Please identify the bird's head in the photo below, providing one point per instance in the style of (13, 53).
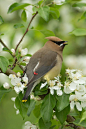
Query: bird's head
(60, 43)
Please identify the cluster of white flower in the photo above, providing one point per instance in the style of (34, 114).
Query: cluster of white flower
(29, 125)
(54, 85)
(76, 87)
(17, 83)
(22, 51)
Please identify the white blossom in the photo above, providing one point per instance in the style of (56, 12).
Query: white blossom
(18, 88)
(51, 90)
(83, 104)
(13, 99)
(12, 76)
(13, 51)
(58, 90)
(16, 82)
(24, 52)
(6, 85)
(68, 88)
(25, 79)
(52, 83)
(18, 74)
(74, 101)
(43, 85)
(17, 112)
(26, 59)
(29, 125)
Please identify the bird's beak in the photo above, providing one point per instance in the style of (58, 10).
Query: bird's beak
(65, 43)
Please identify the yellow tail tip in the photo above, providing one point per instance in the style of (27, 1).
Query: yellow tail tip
(24, 100)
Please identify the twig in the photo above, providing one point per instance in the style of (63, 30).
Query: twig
(70, 120)
(8, 72)
(5, 46)
(14, 64)
(11, 55)
(26, 30)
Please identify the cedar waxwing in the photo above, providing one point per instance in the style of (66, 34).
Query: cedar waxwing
(45, 63)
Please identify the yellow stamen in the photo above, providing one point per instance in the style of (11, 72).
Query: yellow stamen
(24, 100)
(75, 99)
(25, 84)
(13, 75)
(18, 84)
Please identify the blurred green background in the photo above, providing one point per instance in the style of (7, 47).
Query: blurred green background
(74, 53)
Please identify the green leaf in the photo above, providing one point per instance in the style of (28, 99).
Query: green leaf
(47, 33)
(38, 91)
(53, 127)
(44, 12)
(83, 16)
(3, 91)
(5, 49)
(31, 107)
(79, 4)
(1, 20)
(28, 55)
(34, 9)
(40, 2)
(24, 64)
(83, 116)
(82, 124)
(56, 123)
(18, 25)
(36, 111)
(24, 16)
(62, 101)
(47, 107)
(79, 32)
(1, 34)
(3, 64)
(54, 12)
(19, 105)
(62, 115)
(44, 125)
(17, 6)
(27, 103)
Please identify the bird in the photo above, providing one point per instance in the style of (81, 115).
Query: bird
(45, 64)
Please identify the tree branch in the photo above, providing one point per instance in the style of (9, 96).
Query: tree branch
(8, 72)
(14, 64)
(6, 47)
(70, 120)
(26, 30)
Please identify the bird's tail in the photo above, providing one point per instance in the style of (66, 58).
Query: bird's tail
(29, 89)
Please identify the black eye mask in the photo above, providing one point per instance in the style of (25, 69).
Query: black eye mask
(59, 42)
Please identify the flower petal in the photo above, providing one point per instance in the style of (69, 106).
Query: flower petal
(78, 106)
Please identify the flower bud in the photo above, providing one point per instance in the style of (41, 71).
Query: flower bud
(6, 85)
(13, 51)
(24, 52)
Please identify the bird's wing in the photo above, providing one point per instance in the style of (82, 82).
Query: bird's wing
(40, 65)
